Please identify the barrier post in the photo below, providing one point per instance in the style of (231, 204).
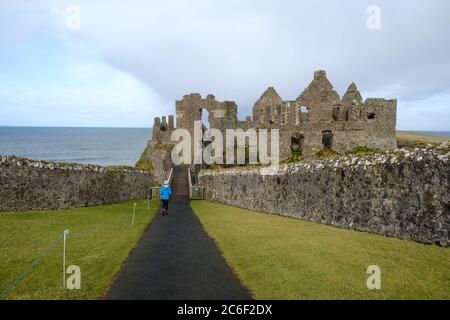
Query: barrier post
(65, 234)
(134, 211)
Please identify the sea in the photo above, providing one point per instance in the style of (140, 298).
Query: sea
(100, 146)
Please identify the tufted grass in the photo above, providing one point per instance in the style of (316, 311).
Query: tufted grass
(100, 240)
(143, 163)
(165, 147)
(282, 258)
(327, 154)
(363, 151)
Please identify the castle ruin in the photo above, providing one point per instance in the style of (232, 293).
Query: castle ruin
(318, 119)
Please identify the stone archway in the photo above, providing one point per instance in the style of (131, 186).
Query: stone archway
(221, 115)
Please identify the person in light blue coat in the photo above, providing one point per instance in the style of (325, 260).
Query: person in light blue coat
(165, 192)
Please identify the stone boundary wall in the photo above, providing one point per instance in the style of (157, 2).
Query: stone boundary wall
(404, 194)
(39, 185)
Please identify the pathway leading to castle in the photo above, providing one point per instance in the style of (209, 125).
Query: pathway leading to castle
(175, 259)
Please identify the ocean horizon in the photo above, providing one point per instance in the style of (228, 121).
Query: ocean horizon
(434, 133)
(86, 145)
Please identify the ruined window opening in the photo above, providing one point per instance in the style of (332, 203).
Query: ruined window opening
(336, 113)
(304, 109)
(302, 114)
(371, 115)
(163, 128)
(204, 115)
(327, 139)
(297, 142)
(261, 116)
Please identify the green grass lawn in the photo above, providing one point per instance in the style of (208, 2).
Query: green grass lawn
(282, 258)
(100, 240)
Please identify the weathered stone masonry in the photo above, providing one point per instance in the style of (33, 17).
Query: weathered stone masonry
(403, 194)
(319, 118)
(39, 185)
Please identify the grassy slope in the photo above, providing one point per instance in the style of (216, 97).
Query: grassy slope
(143, 163)
(409, 136)
(282, 258)
(101, 239)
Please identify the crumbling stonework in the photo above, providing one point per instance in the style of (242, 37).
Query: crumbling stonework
(404, 194)
(318, 119)
(162, 130)
(221, 115)
(39, 185)
(162, 163)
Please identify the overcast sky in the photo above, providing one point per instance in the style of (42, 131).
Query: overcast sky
(130, 60)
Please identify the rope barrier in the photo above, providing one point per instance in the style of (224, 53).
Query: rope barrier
(11, 285)
(30, 268)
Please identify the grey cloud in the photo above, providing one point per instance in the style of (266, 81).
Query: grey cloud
(235, 49)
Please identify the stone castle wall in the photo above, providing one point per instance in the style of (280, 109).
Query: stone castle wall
(318, 119)
(39, 185)
(405, 194)
(320, 111)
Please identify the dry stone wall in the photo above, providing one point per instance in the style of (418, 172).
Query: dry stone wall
(38, 185)
(404, 193)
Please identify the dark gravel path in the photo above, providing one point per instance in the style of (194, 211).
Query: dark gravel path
(175, 260)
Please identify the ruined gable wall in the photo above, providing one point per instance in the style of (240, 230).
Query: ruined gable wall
(267, 109)
(320, 97)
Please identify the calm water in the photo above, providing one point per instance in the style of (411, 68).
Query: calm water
(102, 146)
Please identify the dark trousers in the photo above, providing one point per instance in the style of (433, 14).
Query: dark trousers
(165, 204)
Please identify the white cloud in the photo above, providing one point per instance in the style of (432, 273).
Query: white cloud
(95, 94)
(235, 49)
